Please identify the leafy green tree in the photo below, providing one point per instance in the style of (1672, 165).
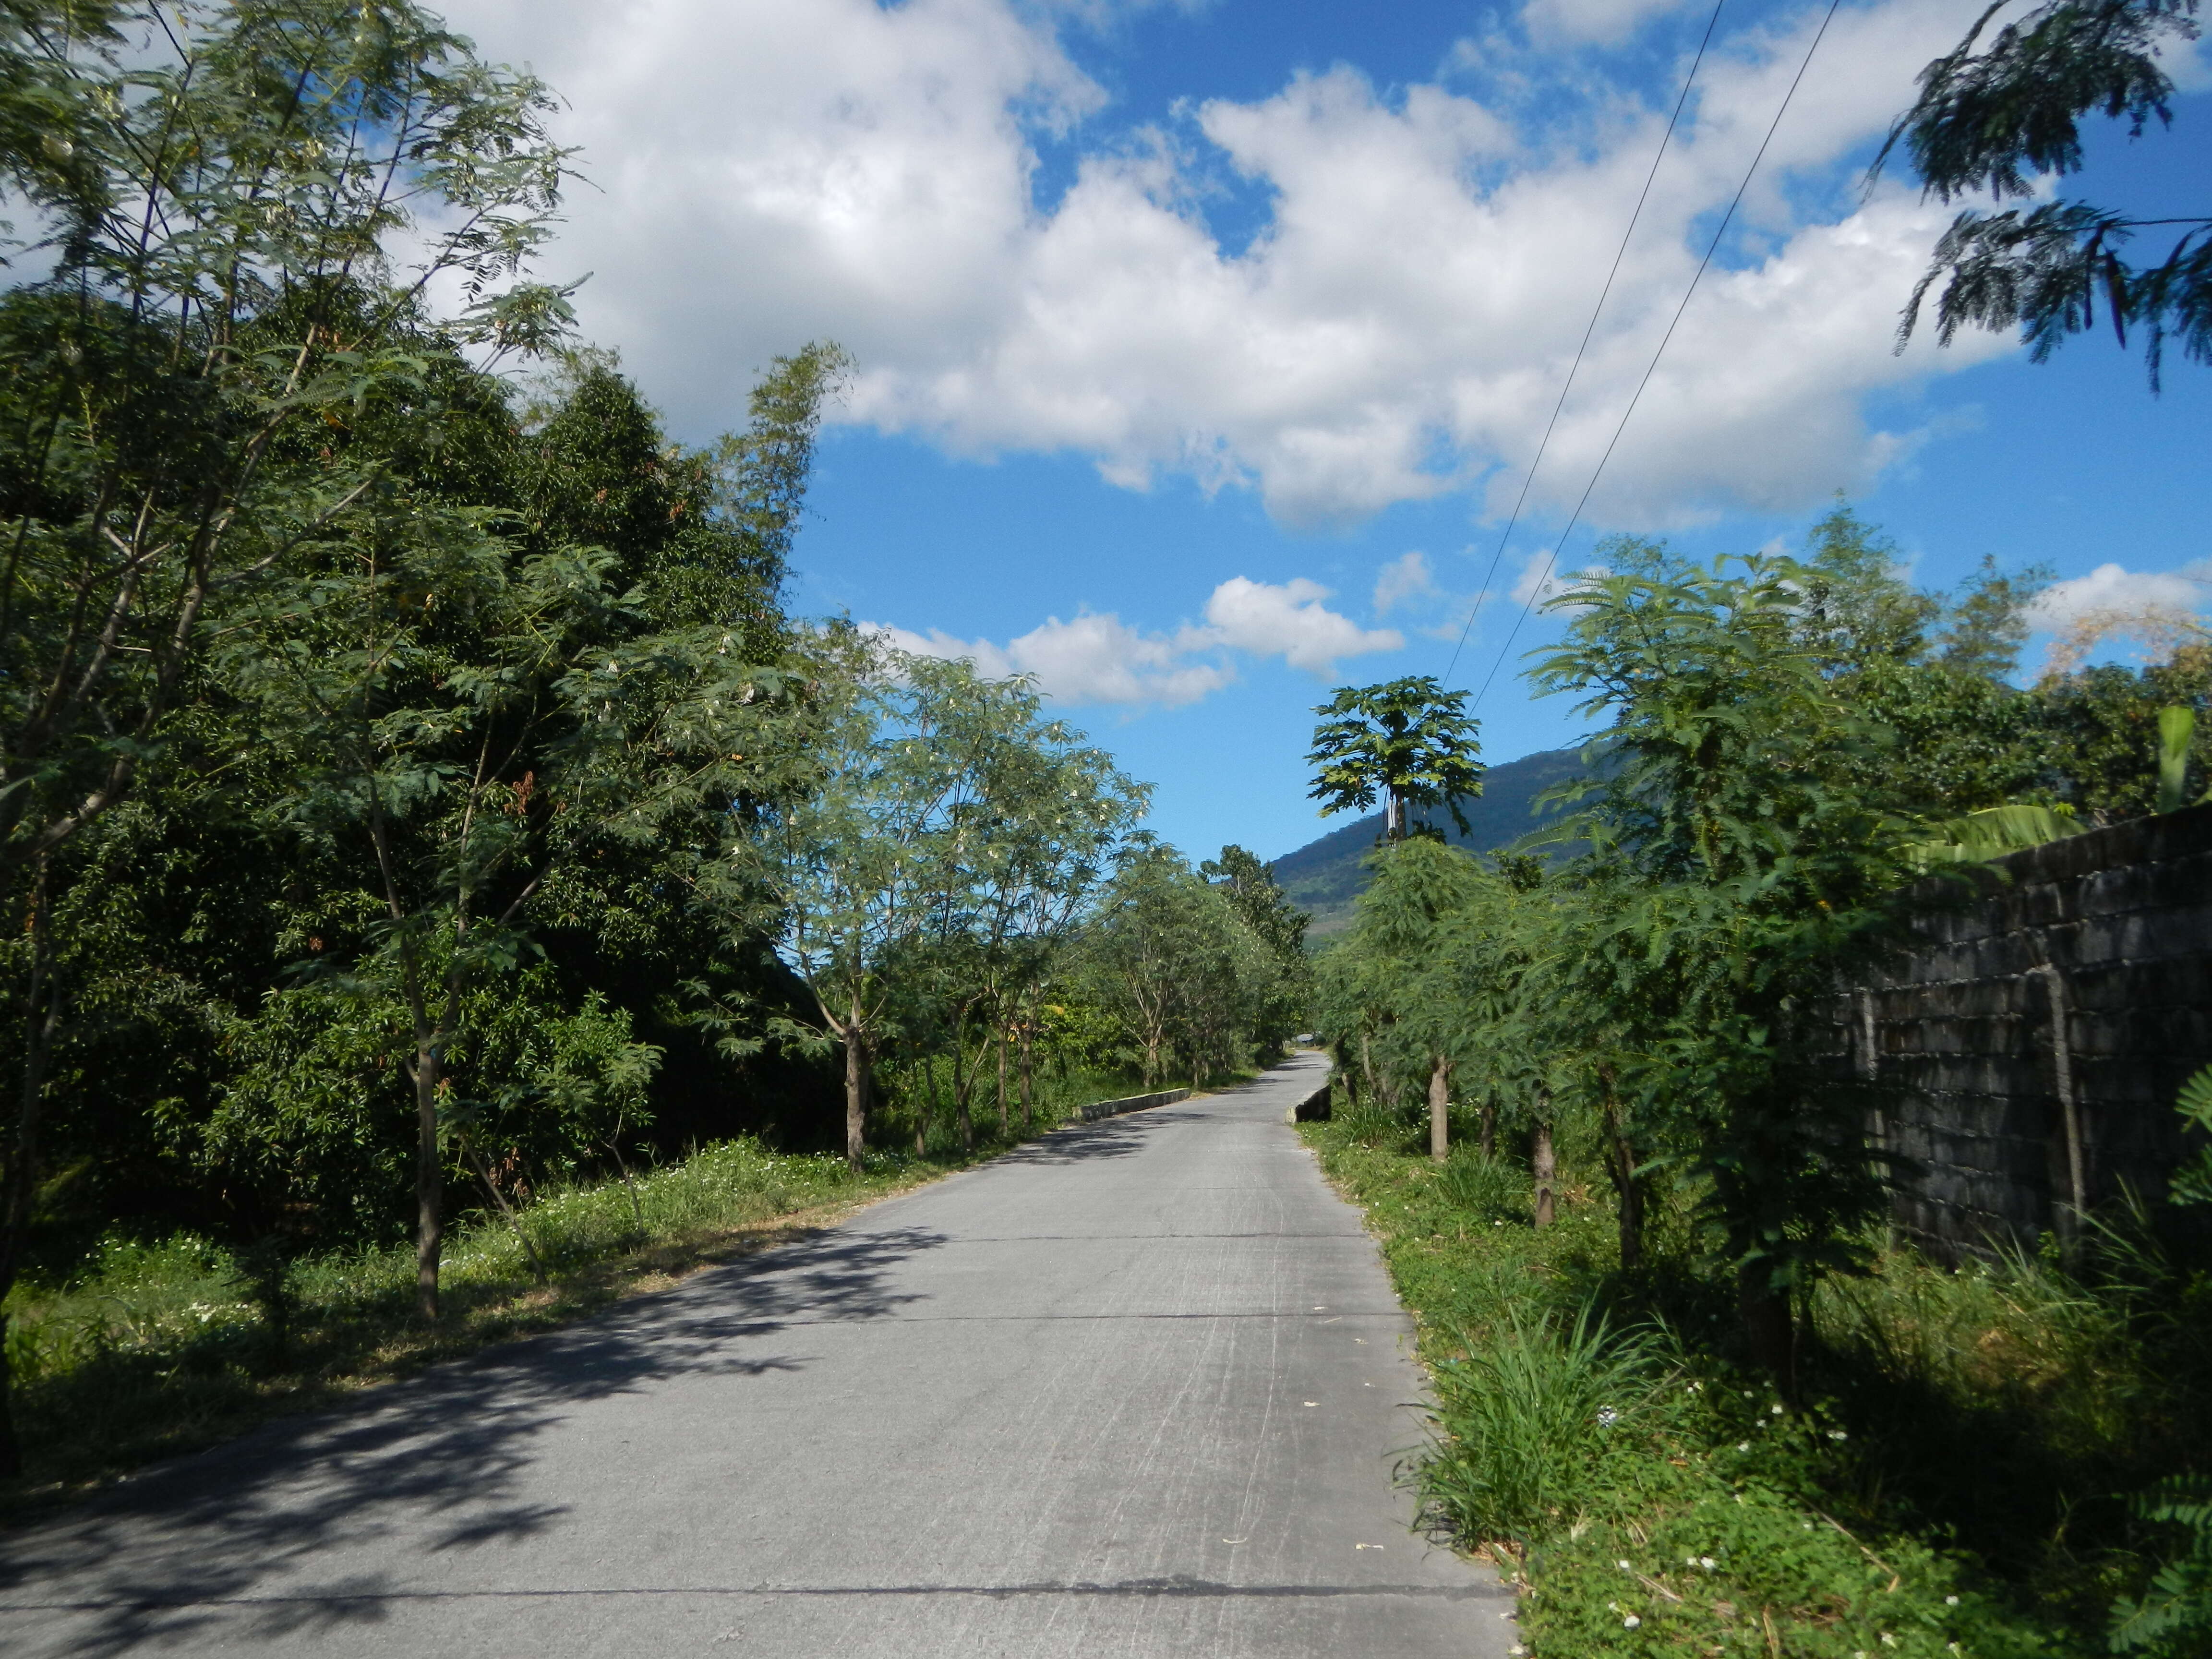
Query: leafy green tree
(1169, 955)
(205, 306)
(941, 816)
(1280, 927)
(1748, 865)
(1401, 941)
(1408, 741)
(1999, 120)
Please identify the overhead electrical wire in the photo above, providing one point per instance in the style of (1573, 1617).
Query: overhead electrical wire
(1604, 293)
(1711, 247)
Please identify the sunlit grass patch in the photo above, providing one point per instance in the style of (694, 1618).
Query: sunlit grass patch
(1592, 1435)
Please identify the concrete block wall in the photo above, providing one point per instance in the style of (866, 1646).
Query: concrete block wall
(2082, 979)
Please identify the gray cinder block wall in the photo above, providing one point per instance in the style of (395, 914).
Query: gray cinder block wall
(2028, 1052)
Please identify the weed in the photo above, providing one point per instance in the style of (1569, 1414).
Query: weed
(1527, 1421)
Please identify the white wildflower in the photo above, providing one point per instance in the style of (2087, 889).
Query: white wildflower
(1631, 1622)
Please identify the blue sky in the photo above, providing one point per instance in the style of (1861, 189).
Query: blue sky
(1202, 348)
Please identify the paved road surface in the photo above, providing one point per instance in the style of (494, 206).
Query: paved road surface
(1134, 1389)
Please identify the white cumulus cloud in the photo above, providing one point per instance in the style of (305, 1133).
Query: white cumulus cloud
(1291, 623)
(1094, 658)
(2113, 587)
(764, 174)
(1100, 659)
(1403, 581)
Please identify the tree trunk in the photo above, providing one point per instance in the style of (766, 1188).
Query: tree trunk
(925, 1108)
(1029, 1099)
(856, 1097)
(1628, 1191)
(1769, 1332)
(1005, 1125)
(1439, 1108)
(1489, 1126)
(1545, 1168)
(963, 1084)
(429, 1180)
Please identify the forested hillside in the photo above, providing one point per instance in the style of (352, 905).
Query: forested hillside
(1324, 876)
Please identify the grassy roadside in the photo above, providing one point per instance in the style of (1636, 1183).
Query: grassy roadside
(1951, 1491)
(151, 1349)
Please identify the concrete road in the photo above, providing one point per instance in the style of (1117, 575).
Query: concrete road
(1137, 1389)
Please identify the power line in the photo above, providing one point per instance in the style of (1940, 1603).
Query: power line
(1711, 248)
(1530, 478)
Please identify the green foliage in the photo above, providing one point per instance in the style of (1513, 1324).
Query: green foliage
(1530, 1418)
(2176, 724)
(1488, 1188)
(2193, 1183)
(1408, 741)
(1194, 985)
(2173, 1617)
(1999, 119)
(146, 1349)
(1945, 1483)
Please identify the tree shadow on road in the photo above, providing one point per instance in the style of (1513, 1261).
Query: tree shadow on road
(219, 1545)
(1083, 1143)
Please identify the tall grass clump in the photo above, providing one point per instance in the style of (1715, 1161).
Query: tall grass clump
(1487, 1187)
(1527, 1420)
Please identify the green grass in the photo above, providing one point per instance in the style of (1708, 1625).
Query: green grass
(148, 1349)
(1955, 1486)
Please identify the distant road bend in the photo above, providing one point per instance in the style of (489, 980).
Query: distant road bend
(1136, 1389)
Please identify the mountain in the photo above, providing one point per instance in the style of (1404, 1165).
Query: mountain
(1324, 876)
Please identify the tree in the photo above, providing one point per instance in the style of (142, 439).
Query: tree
(1999, 120)
(219, 213)
(1408, 741)
(1280, 927)
(1745, 859)
(941, 813)
(1169, 954)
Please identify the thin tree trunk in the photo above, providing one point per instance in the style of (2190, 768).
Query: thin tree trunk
(856, 1096)
(925, 1109)
(1545, 1168)
(506, 1210)
(1440, 1109)
(429, 1178)
(1489, 1142)
(1628, 1192)
(1005, 1125)
(622, 1167)
(963, 1084)
(1029, 1097)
